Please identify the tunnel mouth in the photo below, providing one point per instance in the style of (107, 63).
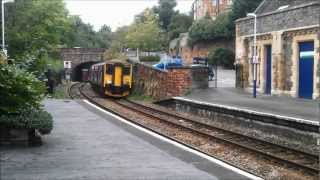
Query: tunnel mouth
(77, 72)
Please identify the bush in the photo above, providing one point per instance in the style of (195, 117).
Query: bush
(19, 90)
(20, 106)
(150, 58)
(34, 119)
(222, 57)
(208, 30)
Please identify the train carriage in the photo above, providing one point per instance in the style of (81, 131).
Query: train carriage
(112, 78)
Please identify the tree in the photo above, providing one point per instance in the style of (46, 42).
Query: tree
(224, 26)
(201, 30)
(180, 23)
(35, 27)
(222, 57)
(104, 37)
(240, 8)
(165, 11)
(145, 35)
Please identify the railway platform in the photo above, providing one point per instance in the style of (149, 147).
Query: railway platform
(294, 109)
(88, 143)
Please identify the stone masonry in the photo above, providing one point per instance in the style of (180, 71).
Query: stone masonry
(81, 55)
(180, 47)
(283, 24)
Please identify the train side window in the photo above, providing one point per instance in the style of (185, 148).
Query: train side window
(126, 70)
(109, 69)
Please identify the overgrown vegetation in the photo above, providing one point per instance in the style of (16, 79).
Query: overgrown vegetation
(222, 57)
(36, 29)
(134, 96)
(223, 27)
(34, 119)
(150, 58)
(21, 95)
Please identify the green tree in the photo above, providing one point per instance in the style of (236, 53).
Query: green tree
(240, 8)
(35, 27)
(147, 35)
(180, 23)
(104, 37)
(201, 30)
(165, 11)
(80, 34)
(222, 57)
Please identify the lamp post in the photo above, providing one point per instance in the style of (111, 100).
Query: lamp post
(2, 21)
(255, 58)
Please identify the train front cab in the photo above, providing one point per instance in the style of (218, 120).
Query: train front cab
(118, 79)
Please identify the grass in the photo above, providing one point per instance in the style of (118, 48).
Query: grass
(140, 97)
(59, 92)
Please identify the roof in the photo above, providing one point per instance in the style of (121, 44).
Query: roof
(278, 5)
(270, 7)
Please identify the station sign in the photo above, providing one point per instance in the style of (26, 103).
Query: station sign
(255, 60)
(67, 64)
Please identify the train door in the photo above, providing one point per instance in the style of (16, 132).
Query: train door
(306, 63)
(118, 76)
(268, 69)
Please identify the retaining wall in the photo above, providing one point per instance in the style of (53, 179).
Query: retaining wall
(161, 84)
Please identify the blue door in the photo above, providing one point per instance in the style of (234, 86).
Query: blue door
(269, 69)
(306, 69)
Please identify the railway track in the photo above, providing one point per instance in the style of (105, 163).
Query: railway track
(288, 157)
(74, 91)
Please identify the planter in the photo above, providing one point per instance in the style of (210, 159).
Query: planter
(19, 136)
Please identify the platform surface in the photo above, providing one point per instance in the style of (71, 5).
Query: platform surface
(89, 144)
(284, 106)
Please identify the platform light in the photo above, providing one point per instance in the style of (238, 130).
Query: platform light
(2, 17)
(254, 58)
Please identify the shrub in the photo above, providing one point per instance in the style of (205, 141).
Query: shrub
(21, 94)
(31, 119)
(222, 57)
(19, 90)
(150, 58)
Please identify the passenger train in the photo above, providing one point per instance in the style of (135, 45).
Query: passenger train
(112, 78)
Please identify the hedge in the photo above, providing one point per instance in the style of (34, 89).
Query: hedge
(35, 119)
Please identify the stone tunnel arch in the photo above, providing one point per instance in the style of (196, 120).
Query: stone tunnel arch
(81, 58)
(77, 70)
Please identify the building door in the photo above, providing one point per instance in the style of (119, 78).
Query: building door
(268, 69)
(306, 61)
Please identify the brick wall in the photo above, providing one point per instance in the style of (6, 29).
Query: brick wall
(161, 84)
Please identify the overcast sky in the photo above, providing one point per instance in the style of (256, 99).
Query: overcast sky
(115, 13)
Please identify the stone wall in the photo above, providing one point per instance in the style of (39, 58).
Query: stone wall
(161, 84)
(292, 17)
(283, 30)
(199, 49)
(81, 55)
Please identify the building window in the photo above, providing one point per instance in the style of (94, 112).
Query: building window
(214, 2)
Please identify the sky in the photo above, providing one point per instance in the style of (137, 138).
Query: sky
(115, 13)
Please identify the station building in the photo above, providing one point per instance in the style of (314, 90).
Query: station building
(288, 46)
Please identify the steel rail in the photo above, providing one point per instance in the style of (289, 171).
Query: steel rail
(251, 144)
(307, 167)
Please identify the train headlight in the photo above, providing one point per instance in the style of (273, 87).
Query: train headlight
(109, 82)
